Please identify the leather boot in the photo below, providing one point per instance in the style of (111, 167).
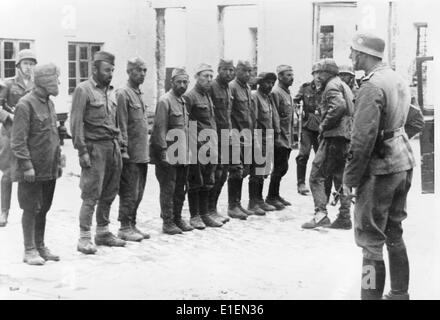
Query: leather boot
(373, 279)
(183, 225)
(343, 222)
(33, 258)
(85, 244)
(399, 273)
(142, 233)
(194, 209)
(169, 227)
(108, 239)
(129, 234)
(275, 203)
(4, 218)
(207, 219)
(233, 207)
(253, 199)
(302, 189)
(47, 255)
(319, 220)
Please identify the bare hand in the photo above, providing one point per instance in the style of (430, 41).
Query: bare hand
(84, 161)
(29, 175)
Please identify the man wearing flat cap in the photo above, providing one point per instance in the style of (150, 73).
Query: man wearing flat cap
(201, 176)
(14, 88)
(133, 123)
(266, 119)
(171, 115)
(283, 146)
(335, 129)
(36, 164)
(241, 121)
(379, 169)
(98, 140)
(221, 98)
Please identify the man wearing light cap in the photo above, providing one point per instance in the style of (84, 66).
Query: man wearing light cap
(283, 146)
(98, 140)
(171, 115)
(379, 170)
(36, 164)
(335, 130)
(14, 88)
(201, 176)
(310, 94)
(133, 123)
(241, 121)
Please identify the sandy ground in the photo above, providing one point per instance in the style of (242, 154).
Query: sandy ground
(267, 257)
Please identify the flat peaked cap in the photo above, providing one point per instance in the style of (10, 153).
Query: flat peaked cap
(244, 64)
(203, 67)
(136, 62)
(224, 63)
(284, 67)
(369, 43)
(178, 72)
(104, 56)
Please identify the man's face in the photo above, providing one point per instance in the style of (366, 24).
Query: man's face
(104, 73)
(323, 77)
(244, 74)
(52, 86)
(355, 57)
(266, 86)
(27, 66)
(204, 79)
(137, 75)
(316, 80)
(347, 78)
(286, 78)
(179, 85)
(226, 74)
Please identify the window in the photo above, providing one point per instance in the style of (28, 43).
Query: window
(326, 36)
(80, 56)
(421, 49)
(8, 53)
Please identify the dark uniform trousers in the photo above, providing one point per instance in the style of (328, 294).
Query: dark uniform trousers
(379, 211)
(220, 177)
(280, 168)
(201, 179)
(237, 172)
(329, 162)
(131, 191)
(172, 181)
(309, 140)
(100, 183)
(35, 199)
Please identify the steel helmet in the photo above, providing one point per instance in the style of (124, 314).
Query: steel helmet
(328, 65)
(25, 54)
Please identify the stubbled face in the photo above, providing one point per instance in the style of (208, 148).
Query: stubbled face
(356, 59)
(226, 74)
(27, 67)
(204, 79)
(243, 74)
(266, 86)
(137, 75)
(316, 80)
(179, 85)
(286, 78)
(104, 73)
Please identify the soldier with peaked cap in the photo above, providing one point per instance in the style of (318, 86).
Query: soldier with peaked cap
(133, 123)
(201, 175)
(14, 88)
(171, 115)
(335, 129)
(35, 146)
(283, 146)
(379, 170)
(241, 122)
(221, 98)
(97, 138)
(310, 94)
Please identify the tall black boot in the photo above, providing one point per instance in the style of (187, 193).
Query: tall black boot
(373, 279)
(253, 198)
(207, 219)
(233, 200)
(273, 194)
(399, 274)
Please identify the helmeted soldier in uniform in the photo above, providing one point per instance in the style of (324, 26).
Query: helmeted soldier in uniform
(201, 176)
(171, 114)
(14, 88)
(335, 129)
(346, 73)
(379, 169)
(310, 94)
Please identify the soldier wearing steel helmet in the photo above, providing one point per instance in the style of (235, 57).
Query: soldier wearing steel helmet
(346, 73)
(379, 169)
(335, 130)
(14, 88)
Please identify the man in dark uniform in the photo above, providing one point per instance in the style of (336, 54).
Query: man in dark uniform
(35, 146)
(171, 114)
(310, 94)
(201, 175)
(379, 170)
(221, 97)
(133, 123)
(335, 128)
(14, 88)
(267, 129)
(283, 146)
(98, 140)
(241, 122)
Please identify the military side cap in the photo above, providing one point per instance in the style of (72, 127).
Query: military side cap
(45, 73)
(328, 65)
(244, 64)
(225, 63)
(136, 62)
(265, 76)
(203, 67)
(315, 67)
(104, 56)
(284, 67)
(178, 72)
(369, 44)
(346, 69)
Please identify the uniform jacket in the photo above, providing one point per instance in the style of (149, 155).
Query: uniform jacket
(241, 112)
(414, 122)
(283, 103)
(221, 97)
(311, 97)
(381, 107)
(337, 109)
(35, 142)
(133, 122)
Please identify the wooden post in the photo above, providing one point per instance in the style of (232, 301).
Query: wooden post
(160, 51)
